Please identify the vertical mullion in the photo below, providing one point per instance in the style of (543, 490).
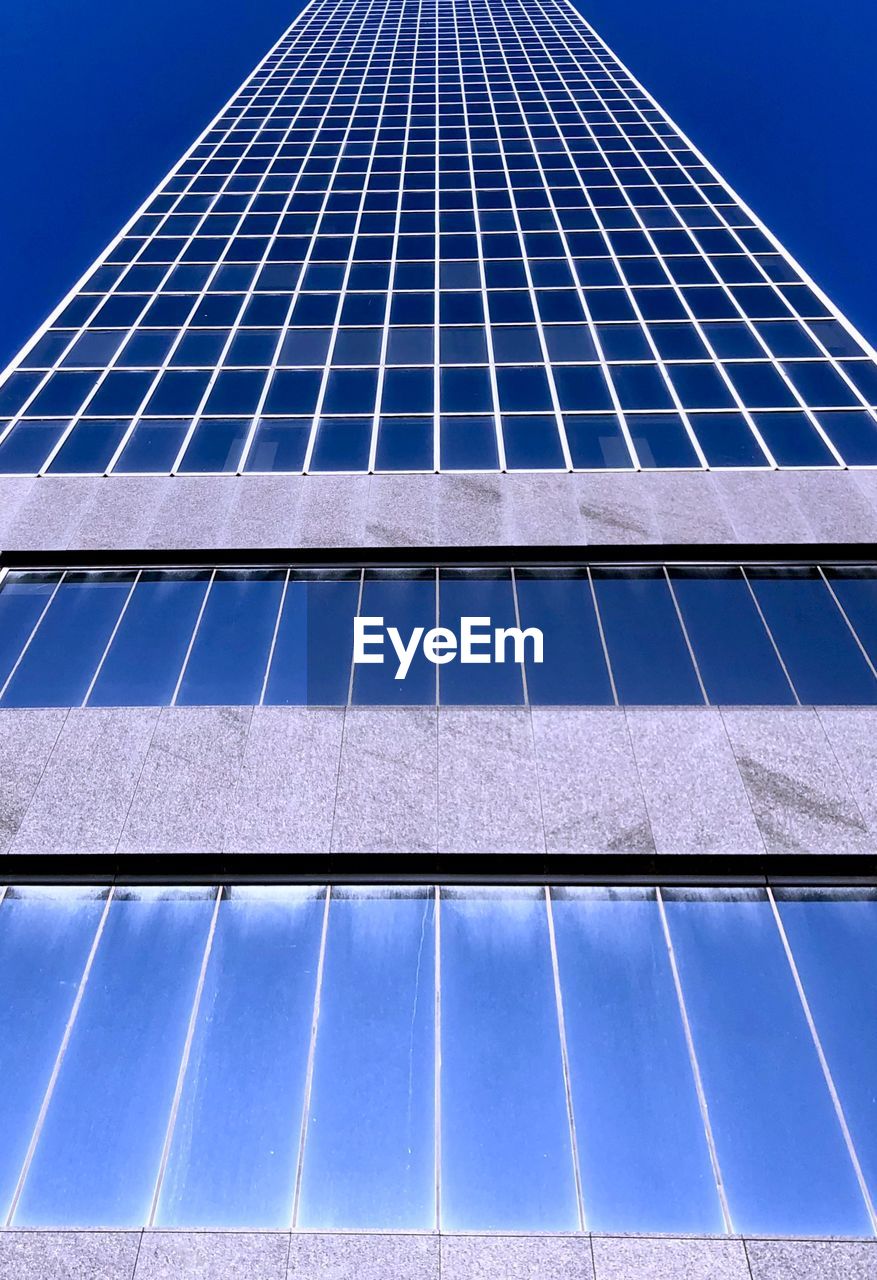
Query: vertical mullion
(564, 1053)
(309, 1074)
(273, 640)
(195, 629)
(34, 629)
(109, 642)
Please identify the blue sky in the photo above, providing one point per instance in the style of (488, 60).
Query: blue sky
(100, 99)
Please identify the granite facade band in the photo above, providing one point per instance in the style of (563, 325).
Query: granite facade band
(454, 779)
(56, 513)
(208, 1255)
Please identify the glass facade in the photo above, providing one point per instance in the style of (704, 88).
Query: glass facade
(404, 1058)
(442, 235)
(721, 634)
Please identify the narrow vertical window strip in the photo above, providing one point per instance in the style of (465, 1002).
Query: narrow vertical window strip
(437, 1055)
(268, 664)
(191, 644)
(309, 1074)
(115, 629)
(770, 635)
(59, 1059)
(824, 1064)
(695, 1068)
(30, 638)
(184, 1060)
(686, 637)
(564, 1057)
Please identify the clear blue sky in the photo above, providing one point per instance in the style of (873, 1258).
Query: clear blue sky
(101, 98)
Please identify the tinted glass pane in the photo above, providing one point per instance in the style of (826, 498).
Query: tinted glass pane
(833, 936)
(641, 1141)
(314, 646)
(506, 1158)
(818, 648)
(230, 655)
(146, 656)
(735, 657)
(247, 1066)
(405, 599)
(97, 1159)
(782, 1156)
(45, 937)
(485, 594)
(369, 1159)
(856, 588)
(62, 658)
(573, 669)
(647, 651)
(23, 597)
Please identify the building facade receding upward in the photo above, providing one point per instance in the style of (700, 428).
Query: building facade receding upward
(556, 962)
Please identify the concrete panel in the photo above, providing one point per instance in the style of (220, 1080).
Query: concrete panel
(472, 510)
(27, 737)
(516, 1258)
(542, 511)
(659, 1258)
(812, 1259)
(212, 1255)
(188, 780)
(693, 791)
(285, 797)
(14, 491)
(402, 512)
(834, 505)
(761, 507)
(615, 509)
(592, 800)
(193, 512)
(68, 1255)
(798, 793)
(488, 787)
(48, 516)
(121, 513)
(852, 734)
(363, 1257)
(86, 789)
(687, 506)
(387, 782)
(264, 512)
(331, 512)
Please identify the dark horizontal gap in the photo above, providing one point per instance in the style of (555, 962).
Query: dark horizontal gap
(427, 868)
(468, 557)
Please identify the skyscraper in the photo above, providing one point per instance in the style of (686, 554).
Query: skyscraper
(460, 965)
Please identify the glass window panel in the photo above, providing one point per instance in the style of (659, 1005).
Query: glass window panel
(61, 660)
(784, 1164)
(23, 596)
(369, 1159)
(819, 650)
(405, 599)
(233, 1158)
(97, 1159)
(229, 657)
(856, 588)
(25, 449)
(573, 669)
(468, 444)
(314, 646)
(147, 653)
(153, 445)
(833, 936)
(45, 938)
(642, 1146)
(647, 650)
(485, 594)
(505, 1144)
(736, 660)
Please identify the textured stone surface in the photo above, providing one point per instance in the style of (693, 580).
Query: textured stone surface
(212, 1255)
(812, 1259)
(541, 511)
(799, 795)
(694, 795)
(192, 513)
(761, 507)
(68, 1255)
(835, 505)
(284, 800)
(471, 510)
(264, 512)
(488, 788)
(615, 509)
(401, 512)
(592, 801)
(660, 1258)
(48, 514)
(331, 512)
(187, 781)
(852, 735)
(687, 506)
(84, 794)
(386, 798)
(121, 514)
(363, 1257)
(27, 737)
(516, 1258)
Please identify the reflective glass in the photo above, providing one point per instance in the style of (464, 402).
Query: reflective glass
(642, 1146)
(406, 600)
(485, 594)
(505, 1137)
(45, 938)
(856, 588)
(229, 656)
(784, 1164)
(369, 1159)
(574, 668)
(23, 597)
(235, 1145)
(97, 1159)
(313, 649)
